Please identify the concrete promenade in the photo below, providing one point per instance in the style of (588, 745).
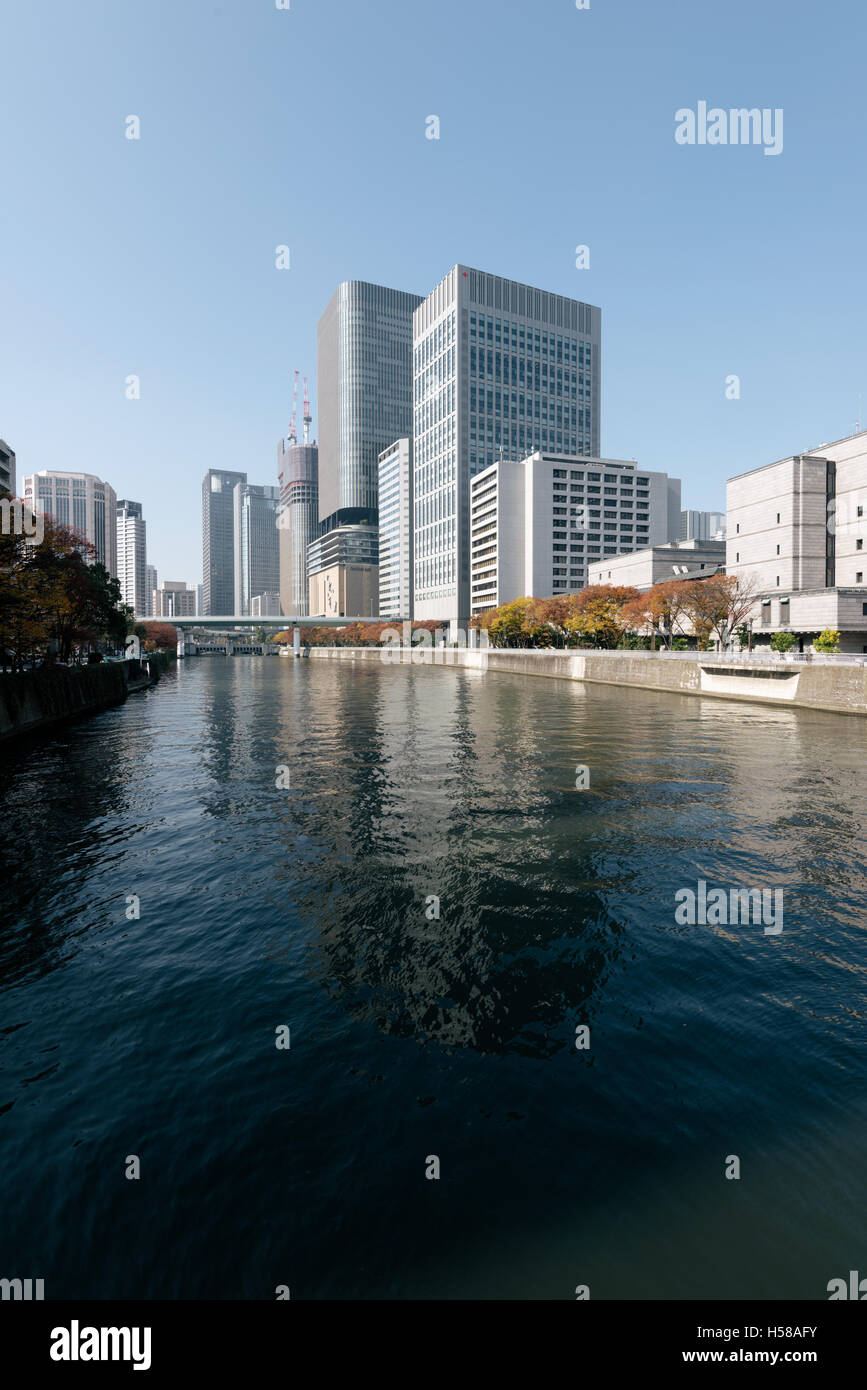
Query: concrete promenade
(839, 687)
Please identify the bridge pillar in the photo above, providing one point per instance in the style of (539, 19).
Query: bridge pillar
(296, 641)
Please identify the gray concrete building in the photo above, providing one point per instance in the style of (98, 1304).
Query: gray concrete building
(174, 599)
(218, 540)
(500, 370)
(538, 526)
(256, 543)
(691, 559)
(298, 521)
(132, 566)
(797, 529)
(702, 526)
(7, 468)
(395, 530)
(82, 502)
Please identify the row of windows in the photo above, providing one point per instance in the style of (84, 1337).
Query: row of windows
(484, 328)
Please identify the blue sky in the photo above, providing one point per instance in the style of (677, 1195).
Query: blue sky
(306, 127)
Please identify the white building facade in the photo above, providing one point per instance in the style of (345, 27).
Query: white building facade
(132, 566)
(82, 502)
(499, 370)
(537, 526)
(395, 531)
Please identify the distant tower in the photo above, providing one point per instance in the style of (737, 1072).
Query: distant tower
(298, 470)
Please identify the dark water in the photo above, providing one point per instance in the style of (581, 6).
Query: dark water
(413, 1037)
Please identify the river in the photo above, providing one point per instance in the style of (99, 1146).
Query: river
(168, 909)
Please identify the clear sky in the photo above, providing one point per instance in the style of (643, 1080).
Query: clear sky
(306, 127)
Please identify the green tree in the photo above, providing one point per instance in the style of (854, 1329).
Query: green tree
(783, 641)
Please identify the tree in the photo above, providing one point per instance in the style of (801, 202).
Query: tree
(661, 610)
(782, 641)
(598, 614)
(159, 634)
(828, 641)
(719, 604)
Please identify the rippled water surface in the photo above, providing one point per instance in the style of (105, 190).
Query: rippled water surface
(411, 1037)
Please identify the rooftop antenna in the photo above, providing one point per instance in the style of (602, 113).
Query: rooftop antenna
(293, 427)
(307, 416)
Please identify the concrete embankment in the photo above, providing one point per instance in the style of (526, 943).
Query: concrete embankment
(34, 700)
(841, 689)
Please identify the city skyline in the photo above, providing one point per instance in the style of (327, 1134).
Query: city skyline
(692, 291)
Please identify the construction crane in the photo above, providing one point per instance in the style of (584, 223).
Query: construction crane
(293, 428)
(308, 418)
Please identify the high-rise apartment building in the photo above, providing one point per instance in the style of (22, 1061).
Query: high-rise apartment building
(82, 502)
(395, 530)
(7, 468)
(256, 543)
(132, 556)
(538, 525)
(702, 526)
(174, 599)
(218, 540)
(500, 370)
(298, 522)
(150, 585)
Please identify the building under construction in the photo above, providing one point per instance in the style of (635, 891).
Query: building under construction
(298, 471)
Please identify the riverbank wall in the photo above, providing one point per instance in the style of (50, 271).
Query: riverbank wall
(33, 700)
(841, 689)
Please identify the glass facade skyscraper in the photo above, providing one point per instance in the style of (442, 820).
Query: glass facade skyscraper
(499, 370)
(364, 388)
(256, 543)
(218, 541)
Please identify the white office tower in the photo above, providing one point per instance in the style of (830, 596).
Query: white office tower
(132, 566)
(538, 525)
(395, 530)
(82, 502)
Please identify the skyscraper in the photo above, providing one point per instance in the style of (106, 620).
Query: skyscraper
(701, 526)
(500, 370)
(82, 502)
(150, 585)
(395, 530)
(218, 540)
(298, 524)
(365, 403)
(256, 543)
(132, 556)
(365, 391)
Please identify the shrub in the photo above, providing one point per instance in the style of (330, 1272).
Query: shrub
(827, 641)
(783, 641)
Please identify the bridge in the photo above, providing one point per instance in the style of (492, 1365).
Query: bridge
(227, 621)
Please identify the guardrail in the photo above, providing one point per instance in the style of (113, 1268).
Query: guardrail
(742, 658)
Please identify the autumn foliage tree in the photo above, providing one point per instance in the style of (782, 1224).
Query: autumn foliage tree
(55, 598)
(159, 634)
